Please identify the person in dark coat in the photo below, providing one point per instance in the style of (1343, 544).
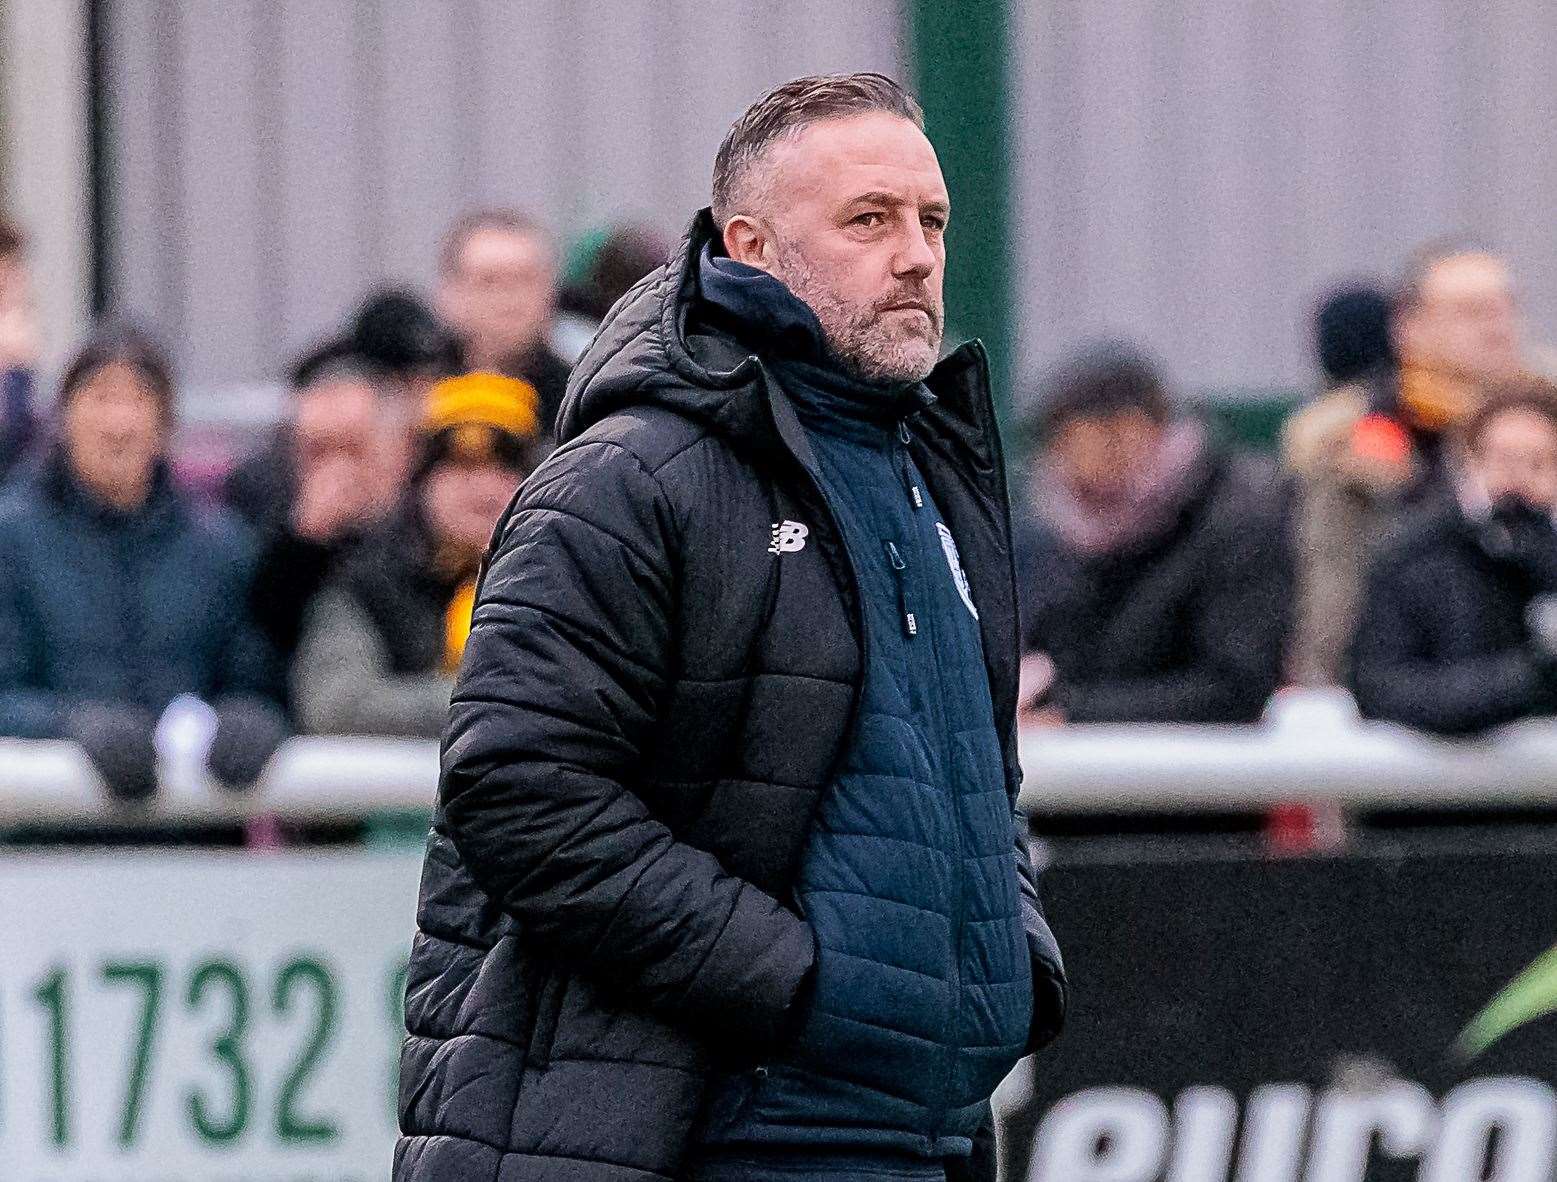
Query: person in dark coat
(333, 470)
(725, 879)
(381, 640)
(1152, 566)
(1459, 624)
(119, 594)
(497, 292)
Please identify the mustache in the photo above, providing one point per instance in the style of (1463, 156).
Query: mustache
(913, 299)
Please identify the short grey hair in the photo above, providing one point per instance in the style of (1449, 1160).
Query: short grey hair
(451, 250)
(788, 109)
(1411, 284)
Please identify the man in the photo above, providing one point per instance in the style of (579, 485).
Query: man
(1364, 452)
(1459, 626)
(337, 466)
(725, 879)
(120, 596)
(1154, 573)
(19, 344)
(497, 291)
(383, 638)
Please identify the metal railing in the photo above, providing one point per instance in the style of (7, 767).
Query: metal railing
(1311, 748)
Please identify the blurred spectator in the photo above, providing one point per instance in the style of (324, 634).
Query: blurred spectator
(1152, 570)
(118, 594)
(381, 642)
(338, 407)
(19, 345)
(334, 469)
(1351, 334)
(1364, 451)
(602, 267)
(497, 291)
(1459, 626)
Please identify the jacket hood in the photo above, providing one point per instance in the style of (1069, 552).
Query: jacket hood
(657, 348)
(648, 351)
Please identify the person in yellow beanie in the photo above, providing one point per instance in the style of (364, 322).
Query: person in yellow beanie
(382, 641)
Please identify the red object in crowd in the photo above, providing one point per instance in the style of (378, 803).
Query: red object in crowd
(264, 831)
(1296, 828)
(1380, 438)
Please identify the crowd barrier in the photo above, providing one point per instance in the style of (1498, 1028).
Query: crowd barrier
(1310, 748)
(1380, 1012)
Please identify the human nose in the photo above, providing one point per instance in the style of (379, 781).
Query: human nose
(915, 256)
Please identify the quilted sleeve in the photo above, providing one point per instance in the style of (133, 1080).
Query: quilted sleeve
(561, 689)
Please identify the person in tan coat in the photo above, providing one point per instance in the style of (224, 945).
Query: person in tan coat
(1365, 450)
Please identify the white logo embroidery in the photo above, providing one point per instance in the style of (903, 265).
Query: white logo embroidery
(954, 560)
(788, 536)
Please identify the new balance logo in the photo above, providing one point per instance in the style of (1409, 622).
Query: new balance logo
(788, 536)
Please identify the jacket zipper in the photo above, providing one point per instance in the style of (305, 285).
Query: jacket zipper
(916, 500)
(959, 901)
(905, 613)
(915, 496)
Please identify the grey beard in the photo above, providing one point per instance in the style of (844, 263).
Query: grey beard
(854, 338)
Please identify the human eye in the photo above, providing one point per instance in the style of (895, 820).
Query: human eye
(871, 219)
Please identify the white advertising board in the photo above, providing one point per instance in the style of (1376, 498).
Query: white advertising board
(201, 1017)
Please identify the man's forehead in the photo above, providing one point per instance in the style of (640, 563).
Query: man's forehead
(340, 391)
(1517, 421)
(1470, 275)
(503, 245)
(861, 154)
(342, 408)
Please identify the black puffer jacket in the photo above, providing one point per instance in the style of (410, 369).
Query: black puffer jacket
(1443, 643)
(1185, 625)
(653, 698)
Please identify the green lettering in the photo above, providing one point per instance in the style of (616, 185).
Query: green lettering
(147, 977)
(227, 1048)
(50, 994)
(312, 976)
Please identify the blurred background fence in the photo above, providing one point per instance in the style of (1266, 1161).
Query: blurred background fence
(1190, 176)
(1311, 750)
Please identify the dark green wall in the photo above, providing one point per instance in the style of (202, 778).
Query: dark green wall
(960, 73)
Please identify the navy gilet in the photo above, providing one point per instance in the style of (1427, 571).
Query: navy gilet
(922, 996)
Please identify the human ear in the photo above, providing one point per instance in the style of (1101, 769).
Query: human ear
(746, 240)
